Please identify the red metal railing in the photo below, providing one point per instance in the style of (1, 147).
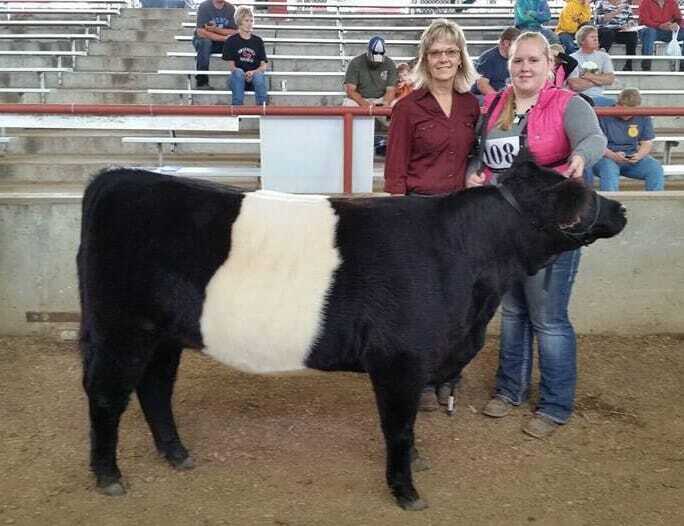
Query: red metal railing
(346, 113)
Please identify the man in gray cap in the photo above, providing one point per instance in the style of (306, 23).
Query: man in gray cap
(371, 77)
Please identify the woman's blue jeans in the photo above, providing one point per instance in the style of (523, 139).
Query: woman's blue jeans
(237, 84)
(537, 307)
(647, 169)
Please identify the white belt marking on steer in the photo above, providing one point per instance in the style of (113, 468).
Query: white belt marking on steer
(264, 305)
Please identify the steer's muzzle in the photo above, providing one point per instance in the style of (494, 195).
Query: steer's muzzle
(604, 218)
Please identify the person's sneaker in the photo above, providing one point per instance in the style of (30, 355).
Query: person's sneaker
(540, 427)
(428, 401)
(205, 87)
(646, 65)
(497, 407)
(627, 66)
(444, 392)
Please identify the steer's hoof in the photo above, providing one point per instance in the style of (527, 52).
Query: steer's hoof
(112, 489)
(420, 464)
(177, 457)
(412, 504)
(182, 464)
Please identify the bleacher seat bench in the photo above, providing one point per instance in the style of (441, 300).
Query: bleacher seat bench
(669, 142)
(160, 141)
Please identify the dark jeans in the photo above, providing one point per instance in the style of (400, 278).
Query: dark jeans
(205, 48)
(607, 37)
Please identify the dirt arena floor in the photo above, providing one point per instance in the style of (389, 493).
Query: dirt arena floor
(307, 450)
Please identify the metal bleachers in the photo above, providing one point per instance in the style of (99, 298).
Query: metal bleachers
(106, 53)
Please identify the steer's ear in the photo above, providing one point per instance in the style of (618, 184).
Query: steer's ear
(571, 198)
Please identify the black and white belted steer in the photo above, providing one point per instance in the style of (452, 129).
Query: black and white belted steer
(400, 288)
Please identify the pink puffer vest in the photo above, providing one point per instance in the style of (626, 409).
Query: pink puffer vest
(546, 136)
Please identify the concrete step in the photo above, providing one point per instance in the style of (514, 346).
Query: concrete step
(118, 63)
(126, 49)
(144, 24)
(59, 16)
(668, 125)
(666, 80)
(33, 61)
(221, 99)
(43, 45)
(275, 83)
(135, 37)
(59, 29)
(154, 13)
(119, 80)
(64, 169)
(102, 96)
(112, 145)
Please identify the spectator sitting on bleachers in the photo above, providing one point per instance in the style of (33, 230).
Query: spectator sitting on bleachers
(247, 59)
(661, 18)
(575, 14)
(595, 70)
(531, 14)
(371, 78)
(215, 23)
(629, 145)
(492, 65)
(613, 19)
(564, 65)
(404, 82)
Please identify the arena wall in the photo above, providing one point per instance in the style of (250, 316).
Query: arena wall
(633, 284)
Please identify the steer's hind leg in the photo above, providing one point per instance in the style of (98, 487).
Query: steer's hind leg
(397, 384)
(154, 392)
(109, 376)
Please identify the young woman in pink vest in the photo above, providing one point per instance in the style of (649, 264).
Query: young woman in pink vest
(562, 132)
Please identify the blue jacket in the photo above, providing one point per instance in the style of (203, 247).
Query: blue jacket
(531, 14)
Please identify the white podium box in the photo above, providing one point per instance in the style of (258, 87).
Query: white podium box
(305, 154)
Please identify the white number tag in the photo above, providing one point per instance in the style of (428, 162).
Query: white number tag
(499, 153)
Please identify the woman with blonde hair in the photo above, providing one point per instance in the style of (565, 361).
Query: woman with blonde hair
(561, 131)
(432, 132)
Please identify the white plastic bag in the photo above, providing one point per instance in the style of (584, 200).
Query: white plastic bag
(673, 49)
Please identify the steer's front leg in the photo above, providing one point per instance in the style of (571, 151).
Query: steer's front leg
(397, 386)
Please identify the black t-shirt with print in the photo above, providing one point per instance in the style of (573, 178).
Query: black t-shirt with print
(248, 54)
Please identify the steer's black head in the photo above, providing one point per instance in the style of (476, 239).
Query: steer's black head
(567, 211)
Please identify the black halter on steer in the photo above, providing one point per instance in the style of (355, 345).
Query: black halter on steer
(583, 237)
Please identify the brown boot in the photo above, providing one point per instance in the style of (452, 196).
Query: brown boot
(497, 407)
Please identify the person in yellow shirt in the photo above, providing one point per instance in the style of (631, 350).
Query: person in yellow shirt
(575, 14)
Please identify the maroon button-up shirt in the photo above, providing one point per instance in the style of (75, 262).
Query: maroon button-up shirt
(427, 152)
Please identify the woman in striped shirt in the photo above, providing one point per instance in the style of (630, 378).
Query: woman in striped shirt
(614, 22)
